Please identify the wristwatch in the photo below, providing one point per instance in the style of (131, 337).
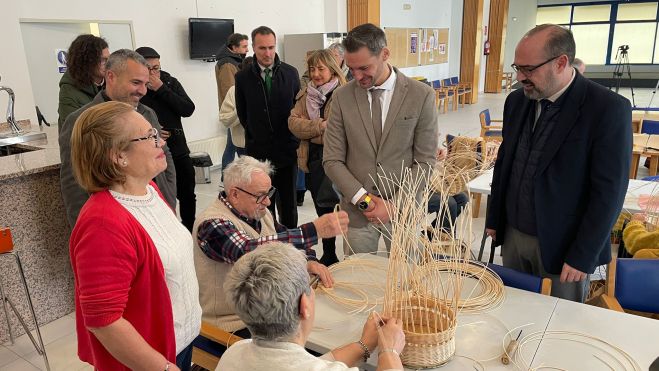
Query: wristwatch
(363, 205)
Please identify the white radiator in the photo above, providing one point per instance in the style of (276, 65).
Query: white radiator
(213, 146)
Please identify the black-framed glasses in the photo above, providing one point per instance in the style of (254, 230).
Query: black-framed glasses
(527, 70)
(260, 198)
(153, 134)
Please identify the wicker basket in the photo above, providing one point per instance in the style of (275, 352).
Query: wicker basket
(429, 328)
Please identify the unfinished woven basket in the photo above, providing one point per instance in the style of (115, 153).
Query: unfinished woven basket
(429, 328)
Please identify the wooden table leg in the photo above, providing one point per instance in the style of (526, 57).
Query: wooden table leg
(633, 170)
(654, 161)
(477, 205)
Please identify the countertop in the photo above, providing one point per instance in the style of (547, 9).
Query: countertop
(26, 163)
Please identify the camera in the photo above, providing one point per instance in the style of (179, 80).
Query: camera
(623, 48)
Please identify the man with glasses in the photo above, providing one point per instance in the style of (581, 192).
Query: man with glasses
(166, 96)
(561, 175)
(238, 222)
(126, 78)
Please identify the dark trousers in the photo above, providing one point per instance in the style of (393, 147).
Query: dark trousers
(320, 186)
(184, 359)
(229, 153)
(455, 205)
(284, 179)
(185, 183)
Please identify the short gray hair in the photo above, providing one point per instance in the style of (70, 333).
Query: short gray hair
(338, 47)
(118, 59)
(239, 172)
(265, 287)
(366, 35)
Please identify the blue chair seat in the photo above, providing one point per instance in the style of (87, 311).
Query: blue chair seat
(493, 133)
(637, 284)
(518, 280)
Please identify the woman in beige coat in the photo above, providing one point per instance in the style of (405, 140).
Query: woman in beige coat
(307, 122)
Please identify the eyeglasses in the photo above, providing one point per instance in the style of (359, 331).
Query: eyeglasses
(260, 198)
(154, 69)
(527, 70)
(153, 134)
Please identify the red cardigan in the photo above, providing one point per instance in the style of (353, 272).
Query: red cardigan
(118, 273)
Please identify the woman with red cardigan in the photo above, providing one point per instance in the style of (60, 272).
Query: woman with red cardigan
(136, 292)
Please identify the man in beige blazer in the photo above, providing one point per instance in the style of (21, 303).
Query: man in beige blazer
(360, 146)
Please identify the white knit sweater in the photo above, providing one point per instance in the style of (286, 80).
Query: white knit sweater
(174, 244)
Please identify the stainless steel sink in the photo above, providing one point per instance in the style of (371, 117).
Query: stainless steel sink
(7, 139)
(16, 149)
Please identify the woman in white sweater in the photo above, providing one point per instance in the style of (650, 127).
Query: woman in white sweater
(271, 293)
(229, 116)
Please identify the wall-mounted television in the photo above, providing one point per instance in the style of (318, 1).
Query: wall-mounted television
(207, 35)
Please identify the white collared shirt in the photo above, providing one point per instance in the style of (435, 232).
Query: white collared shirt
(385, 98)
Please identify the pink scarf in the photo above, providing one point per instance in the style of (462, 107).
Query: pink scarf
(316, 96)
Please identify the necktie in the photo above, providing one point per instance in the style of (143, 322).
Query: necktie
(376, 113)
(544, 104)
(268, 80)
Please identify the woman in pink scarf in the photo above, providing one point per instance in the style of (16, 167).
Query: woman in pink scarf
(308, 121)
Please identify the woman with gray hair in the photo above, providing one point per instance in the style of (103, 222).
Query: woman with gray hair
(271, 293)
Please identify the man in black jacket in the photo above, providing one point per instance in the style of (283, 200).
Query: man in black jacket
(265, 95)
(562, 171)
(166, 96)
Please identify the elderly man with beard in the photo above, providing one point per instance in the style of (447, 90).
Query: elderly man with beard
(239, 222)
(561, 175)
(126, 77)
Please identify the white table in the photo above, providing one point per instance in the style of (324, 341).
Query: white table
(638, 336)
(482, 185)
(478, 336)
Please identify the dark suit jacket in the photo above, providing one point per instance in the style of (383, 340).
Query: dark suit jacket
(581, 179)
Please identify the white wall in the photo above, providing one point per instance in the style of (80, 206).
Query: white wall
(163, 25)
(521, 18)
(424, 14)
(455, 37)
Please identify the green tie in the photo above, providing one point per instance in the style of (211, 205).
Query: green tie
(268, 80)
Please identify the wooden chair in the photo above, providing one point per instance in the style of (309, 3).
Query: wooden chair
(632, 285)
(453, 92)
(464, 89)
(489, 131)
(441, 95)
(522, 281)
(209, 346)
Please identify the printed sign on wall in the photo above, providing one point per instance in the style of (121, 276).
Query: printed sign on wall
(61, 60)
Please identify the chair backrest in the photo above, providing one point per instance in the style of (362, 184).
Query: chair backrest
(455, 80)
(485, 117)
(446, 82)
(209, 346)
(436, 84)
(635, 283)
(650, 126)
(522, 281)
(651, 178)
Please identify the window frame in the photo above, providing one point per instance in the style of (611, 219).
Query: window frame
(611, 49)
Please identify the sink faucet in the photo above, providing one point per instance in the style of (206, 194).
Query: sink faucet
(11, 119)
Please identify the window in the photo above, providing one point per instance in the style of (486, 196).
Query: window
(554, 14)
(600, 28)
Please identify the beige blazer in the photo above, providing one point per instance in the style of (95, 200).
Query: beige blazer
(351, 157)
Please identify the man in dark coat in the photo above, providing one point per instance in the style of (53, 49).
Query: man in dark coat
(561, 175)
(265, 95)
(166, 96)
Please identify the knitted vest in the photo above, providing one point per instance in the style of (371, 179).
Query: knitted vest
(211, 274)
(520, 202)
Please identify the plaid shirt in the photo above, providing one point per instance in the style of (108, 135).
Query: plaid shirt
(222, 241)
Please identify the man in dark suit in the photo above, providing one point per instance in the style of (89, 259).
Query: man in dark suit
(561, 175)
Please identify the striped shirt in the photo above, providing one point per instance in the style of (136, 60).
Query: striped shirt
(221, 240)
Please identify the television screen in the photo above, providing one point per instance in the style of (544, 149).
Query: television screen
(207, 35)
